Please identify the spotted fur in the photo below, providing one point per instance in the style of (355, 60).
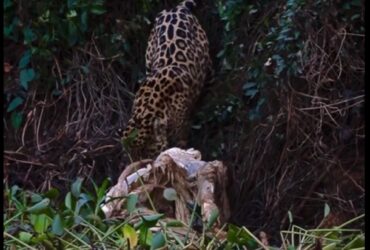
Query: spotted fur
(177, 65)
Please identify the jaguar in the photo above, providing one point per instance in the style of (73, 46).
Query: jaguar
(178, 65)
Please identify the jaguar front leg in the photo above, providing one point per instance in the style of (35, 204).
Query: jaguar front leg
(160, 142)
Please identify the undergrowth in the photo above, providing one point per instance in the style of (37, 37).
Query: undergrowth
(38, 220)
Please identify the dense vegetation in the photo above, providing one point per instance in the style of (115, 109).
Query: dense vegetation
(286, 115)
(32, 220)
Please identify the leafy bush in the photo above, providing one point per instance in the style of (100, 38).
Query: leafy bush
(280, 53)
(44, 30)
(33, 220)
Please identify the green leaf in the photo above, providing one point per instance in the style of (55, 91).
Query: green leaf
(71, 14)
(25, 59)
(39, 207)
(29, 36)
(7, 4)
(72, 33)
(45, 17)
(78, 213)
(86, 197)
(232, 233)
(37, 239)
(253, 115)
(251, 92)
(36, 198)
(71, 3)
(346, 6)
(212, 217)
(357, 3)
(96, 219)
(357, 243)
(84, 21)
(14, 190)
(145, 236)
(130, 234)
(158, 241)
(56, 92)
(331, 246)
(40, 222)
(170, 194)
(355, 16)
(151, 220)
(76, 187)
(175, 223)
(220, 54)
(25, 237)
(52, 193)
(8, 30)
(68, 200)
(26, 76)
(57, 225)
(241, 237)
(85, 69)
(131, 202)
(252, 11)
(126, 46)
(326, 210)
(97, 10)
(260, 102)
(103, 189)
(14, 104)
(249, 85)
